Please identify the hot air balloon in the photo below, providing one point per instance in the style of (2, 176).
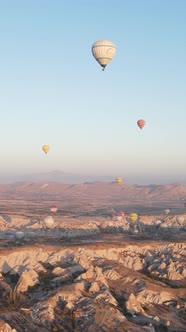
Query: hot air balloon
(121, 213)
(119, 216)
(166, 211)
(31, 235)
(19, 235)
(48, 221)
(118, 180)
(53, 208)
(141, 123)
(46, 148)
(180, 219)
(133, 216)
(104, 225)
(9, 234)
(103, 51)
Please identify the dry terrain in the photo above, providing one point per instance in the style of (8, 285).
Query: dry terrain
(92, 270)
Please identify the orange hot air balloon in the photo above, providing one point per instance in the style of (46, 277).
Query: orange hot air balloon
(118, 180)
(141, 123)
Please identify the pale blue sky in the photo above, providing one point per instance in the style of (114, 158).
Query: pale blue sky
(54, 92)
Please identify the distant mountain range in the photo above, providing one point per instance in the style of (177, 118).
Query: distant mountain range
(95, 191)
(54, 176)
(60, 176)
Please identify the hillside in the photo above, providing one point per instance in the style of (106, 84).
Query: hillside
(97, 190)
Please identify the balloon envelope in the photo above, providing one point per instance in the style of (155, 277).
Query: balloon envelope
(133, 216)
(103, 51)
(104, 225)
(121, 213)
(141, 123)
(19, 235)
(48, 221)
(53, 208)
(46, 148)
(118, 180)
(118, 218)
(180, 219)
(9, 234)
(31, 235)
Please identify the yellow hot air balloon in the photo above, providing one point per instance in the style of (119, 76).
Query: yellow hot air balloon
(103, 51)
(133, 216)
(118, 180)
(46, 148)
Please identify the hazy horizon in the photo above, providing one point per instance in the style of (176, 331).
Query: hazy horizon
(75, 178)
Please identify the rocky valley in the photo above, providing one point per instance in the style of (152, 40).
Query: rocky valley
(92, 269)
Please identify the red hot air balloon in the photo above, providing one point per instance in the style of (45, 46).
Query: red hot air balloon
(141, 123)
(53, 208)
(121, 213)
